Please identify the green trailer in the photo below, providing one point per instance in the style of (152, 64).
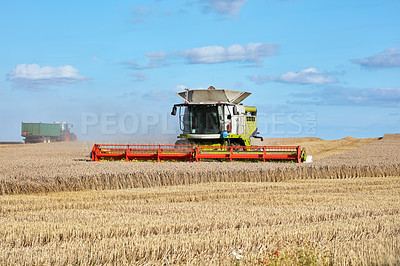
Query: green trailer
(47, 132)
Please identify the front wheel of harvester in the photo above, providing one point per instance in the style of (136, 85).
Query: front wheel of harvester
(180, 142)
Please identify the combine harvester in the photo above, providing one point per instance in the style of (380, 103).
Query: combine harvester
(215, 127)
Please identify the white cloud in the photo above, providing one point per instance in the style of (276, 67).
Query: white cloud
(156, 56)
(252, 52)
(95, 58)
(377, 97)
(224, 7)
(35, 72)
(381, 95)
(388, 58)
(259, 79)
(304, 76)
(31, 76)
(154, 60)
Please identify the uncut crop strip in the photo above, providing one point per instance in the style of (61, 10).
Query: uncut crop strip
(117, 175)
(48, 175)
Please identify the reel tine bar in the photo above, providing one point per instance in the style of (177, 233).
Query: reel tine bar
(189, 153)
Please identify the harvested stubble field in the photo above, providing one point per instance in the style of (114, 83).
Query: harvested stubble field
(58, 208)
(346, 221)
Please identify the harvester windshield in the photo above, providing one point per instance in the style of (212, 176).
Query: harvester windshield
(199, 119)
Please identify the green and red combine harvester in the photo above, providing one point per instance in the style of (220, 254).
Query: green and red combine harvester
(215, 127)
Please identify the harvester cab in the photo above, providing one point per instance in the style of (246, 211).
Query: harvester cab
(216, 117)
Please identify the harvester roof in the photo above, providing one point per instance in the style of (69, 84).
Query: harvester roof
(213, 95)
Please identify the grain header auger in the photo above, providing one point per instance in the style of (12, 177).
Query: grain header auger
(215, 127)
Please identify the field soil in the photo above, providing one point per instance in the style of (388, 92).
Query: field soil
(58, 207)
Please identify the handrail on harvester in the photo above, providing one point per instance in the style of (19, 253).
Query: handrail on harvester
(142, 152)
(263, 153)
(189, 153)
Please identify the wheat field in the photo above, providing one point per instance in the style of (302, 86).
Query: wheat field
(56, 207)
(350, 221)
(53, 167)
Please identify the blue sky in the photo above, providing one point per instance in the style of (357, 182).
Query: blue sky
(326, 69)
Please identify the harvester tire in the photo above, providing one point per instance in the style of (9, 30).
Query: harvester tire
(180, 142)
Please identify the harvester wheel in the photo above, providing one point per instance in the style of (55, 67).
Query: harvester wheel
(181, 142)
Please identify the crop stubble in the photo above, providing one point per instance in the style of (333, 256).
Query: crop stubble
(353, 221)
